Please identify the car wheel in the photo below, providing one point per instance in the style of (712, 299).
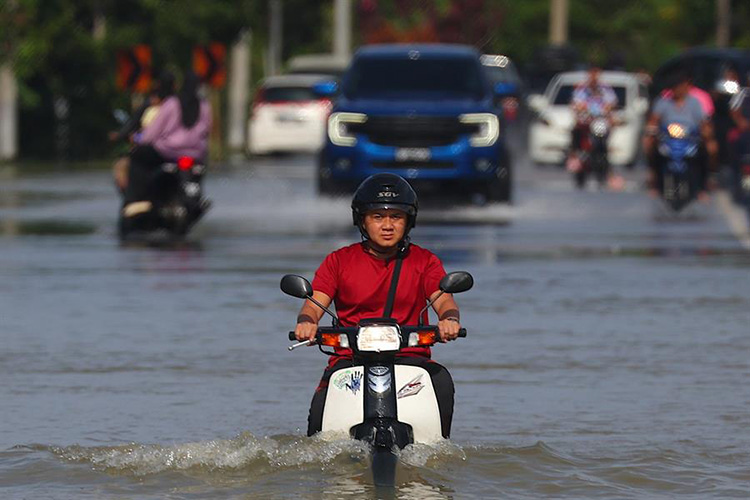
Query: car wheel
(500, 186)
(326, 185)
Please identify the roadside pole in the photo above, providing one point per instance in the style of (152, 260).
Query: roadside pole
(723, 19)
(342, 28)
(275, 38)
(239, 81)
(8, 112)
(558, 22)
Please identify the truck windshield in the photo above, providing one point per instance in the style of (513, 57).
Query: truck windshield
(408, 79)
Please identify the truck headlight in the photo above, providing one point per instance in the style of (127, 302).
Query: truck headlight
(488, 128)
(338, 127)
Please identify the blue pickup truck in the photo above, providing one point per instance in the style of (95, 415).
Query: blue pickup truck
(425, 112)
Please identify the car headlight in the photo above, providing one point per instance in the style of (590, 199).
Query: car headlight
(379, 338)
(599, 127)
(676, 131)
(488, 130)
(338, 127)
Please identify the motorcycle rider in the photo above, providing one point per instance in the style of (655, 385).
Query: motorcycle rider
(739, 136)
(180, 128)
(590, 99)
(683, 108)
(357, 279)
(141, 117)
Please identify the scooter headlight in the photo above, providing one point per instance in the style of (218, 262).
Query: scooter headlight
(379, 338)
(676, 131)
(488, 128)
(338, 127)
(599, 127)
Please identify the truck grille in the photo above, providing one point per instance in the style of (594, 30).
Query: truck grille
(413, 131)
(390, 165)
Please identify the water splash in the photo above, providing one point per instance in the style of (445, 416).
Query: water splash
(243, 451)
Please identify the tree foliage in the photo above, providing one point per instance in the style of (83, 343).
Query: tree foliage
(65, 61)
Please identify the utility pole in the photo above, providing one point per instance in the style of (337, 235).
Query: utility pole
(239, 82)
(558, 22)
(342, 28)
(723, 19)
(8, 112)
(275, 37)
(8, 102)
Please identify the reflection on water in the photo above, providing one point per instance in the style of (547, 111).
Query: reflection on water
(12, 227)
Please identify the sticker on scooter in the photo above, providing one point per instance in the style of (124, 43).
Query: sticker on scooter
(411, 388)
(350, 380)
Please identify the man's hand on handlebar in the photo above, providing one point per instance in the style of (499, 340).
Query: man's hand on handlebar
(449, 328)
(306, 330)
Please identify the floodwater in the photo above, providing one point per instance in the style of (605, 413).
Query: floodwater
(607, 357)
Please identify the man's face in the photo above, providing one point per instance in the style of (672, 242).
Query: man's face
(681, 89)
(594, 77)
(385, 227)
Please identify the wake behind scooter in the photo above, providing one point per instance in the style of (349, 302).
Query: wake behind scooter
(376, 400)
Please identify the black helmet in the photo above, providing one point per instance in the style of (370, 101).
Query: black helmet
(384, 191)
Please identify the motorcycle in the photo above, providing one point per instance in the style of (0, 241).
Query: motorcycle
(176, 204)
(744, 176)
(677, 164)
(592, 151)
(376, 400)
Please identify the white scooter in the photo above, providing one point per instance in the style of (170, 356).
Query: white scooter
(376, 400)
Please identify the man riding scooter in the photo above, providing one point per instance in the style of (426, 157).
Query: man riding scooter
(680, 107)
(739, 144)
(592, 103)
(357, 279)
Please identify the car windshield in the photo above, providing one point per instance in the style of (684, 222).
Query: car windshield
(287, 94)
(565, 94)
(407, 78)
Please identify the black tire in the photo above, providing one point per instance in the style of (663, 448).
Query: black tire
(500, 187)
(601, 169)
(579, 179)
(122, 227)
(329, 187)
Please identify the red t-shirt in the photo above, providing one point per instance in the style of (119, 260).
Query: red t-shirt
(358, 283)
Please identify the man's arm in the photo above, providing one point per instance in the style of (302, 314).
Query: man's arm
(449, 318)
(132, 124)
(712, 147)
(309, 317)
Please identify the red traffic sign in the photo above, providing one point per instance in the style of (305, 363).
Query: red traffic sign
(209, 63)
(134, 69)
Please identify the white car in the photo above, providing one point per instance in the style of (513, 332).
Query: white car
(551, 128)
(287, 116)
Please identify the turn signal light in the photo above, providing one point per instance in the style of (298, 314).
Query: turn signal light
(422, 339)
(334, 340)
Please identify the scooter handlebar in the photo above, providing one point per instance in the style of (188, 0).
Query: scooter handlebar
(293, 337)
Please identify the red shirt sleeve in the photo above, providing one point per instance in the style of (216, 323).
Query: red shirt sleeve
(434, 272)
(326, 277)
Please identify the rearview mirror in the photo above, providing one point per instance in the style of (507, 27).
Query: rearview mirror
(296, 286)
(327, 88)
(121, 116)
(505, 89)
(537, 102)
(456, 282)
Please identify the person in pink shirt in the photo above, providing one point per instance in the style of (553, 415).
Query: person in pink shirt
(180, 128)
(703, 97)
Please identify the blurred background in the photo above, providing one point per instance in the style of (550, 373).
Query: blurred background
(60, 58)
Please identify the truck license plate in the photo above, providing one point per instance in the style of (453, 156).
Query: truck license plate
(413, 154)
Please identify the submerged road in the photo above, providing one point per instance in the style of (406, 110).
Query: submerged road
(607, 353)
